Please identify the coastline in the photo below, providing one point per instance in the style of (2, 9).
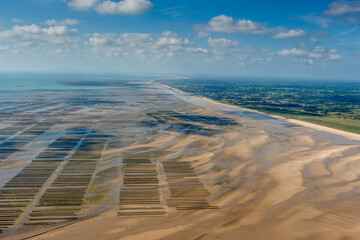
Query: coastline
(345, 134)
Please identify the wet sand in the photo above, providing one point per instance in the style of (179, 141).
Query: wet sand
(264, 177)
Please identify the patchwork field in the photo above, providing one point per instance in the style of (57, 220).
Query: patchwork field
(140, 161)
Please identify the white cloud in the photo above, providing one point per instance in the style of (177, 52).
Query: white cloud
(124, 7)
(2, 48)
(202, 34)
(222, 43)
(289, 33)
(314, 18)
(16, 20)
(319, 49)
(315, 55)
(320, 34)
(343, 7)
(223, 46)
(62, 22)
(34, 34)
(293, 52)
(82, 4)
(226, 24)
(168, 44)
(352, 20)
(318, 53)
(59, 51)
(261, 60)
(230, 51)
(346, 32)
(334, 57)
(112, 7)
(198, 51)
(313, 40)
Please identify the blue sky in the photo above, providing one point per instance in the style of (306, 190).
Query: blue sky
(298, 38)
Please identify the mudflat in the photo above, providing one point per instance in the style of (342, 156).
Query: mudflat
(141, 161)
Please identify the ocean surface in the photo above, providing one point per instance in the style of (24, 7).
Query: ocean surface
(43, 82)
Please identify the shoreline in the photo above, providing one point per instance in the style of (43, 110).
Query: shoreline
(345, 134)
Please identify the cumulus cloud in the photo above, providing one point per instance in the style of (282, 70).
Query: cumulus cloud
(223, 46)
(261, 60)
(334, 57)
(62, 22)
(343, 7)
(222, 43)
(198, 51)
(2, 48)
(226, 24)
(293, 52)
(320, 49)
(34, 34)
(339, 11)
(318, 53)
(315, 55)
(168, 44)
(230, 51)
(16, 20)
(283, 33)
(313, 40)
(124, 7)
(82, 4)
(112, 7)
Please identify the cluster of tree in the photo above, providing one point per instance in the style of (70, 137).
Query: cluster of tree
(318, 98)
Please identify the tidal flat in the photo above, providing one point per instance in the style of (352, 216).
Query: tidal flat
(136, 160)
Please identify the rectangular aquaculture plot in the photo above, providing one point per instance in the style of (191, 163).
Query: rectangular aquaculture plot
(64, 196)
(187, 191)
(25, 139)
(13, 144)
(33, 176)
(50, 154)
(18, 126)
(46, 216)
(63, 145)
(8, 218)
(8, 150)
(140, 195)
(63, 199)
(12, 204)
(33, 132)
(6, 132)
(20, 191)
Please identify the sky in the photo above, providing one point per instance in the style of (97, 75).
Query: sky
(259, 38)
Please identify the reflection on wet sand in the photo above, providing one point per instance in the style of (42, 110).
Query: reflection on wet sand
(139, 161)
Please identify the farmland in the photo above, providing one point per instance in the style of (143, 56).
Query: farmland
(334, 104)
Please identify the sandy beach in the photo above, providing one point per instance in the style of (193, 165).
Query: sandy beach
(316, 127)
(221, 172)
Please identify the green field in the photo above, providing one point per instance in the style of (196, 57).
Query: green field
(331, 104)
(348, 125)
